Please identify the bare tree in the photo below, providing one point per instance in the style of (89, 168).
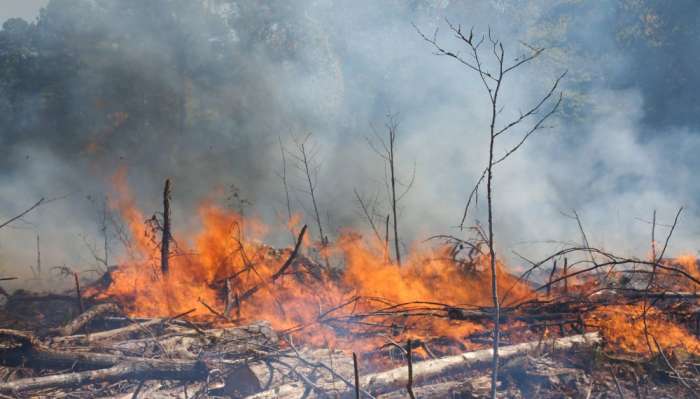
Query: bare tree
(305, 162)
(386, 149)
(105, 234)
(165, 242)
(105, 218)
(492, 80)
(239, 203)
(38, 256)
(283, 176)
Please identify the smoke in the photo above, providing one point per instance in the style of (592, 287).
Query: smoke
(26, 9)
(201, 93)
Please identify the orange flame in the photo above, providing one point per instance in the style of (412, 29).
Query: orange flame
(224, 271)
(329, 299)
(623, 328)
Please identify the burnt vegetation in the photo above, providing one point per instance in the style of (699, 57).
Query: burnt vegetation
(214, 310)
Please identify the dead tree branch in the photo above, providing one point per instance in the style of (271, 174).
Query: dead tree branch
(21, 215)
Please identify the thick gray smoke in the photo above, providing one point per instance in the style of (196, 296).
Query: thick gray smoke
(26, 9)
(623, 145)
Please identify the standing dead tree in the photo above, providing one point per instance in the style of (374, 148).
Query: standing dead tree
(283, 177)
(386, 149)
(165, 241)
(105, 234)
(37, 269)
(305, 160)
(104, 216)
(492, 78)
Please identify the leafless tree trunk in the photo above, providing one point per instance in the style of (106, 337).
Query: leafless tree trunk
(386, 238)
(312, 191)
(165, 242)
(392, 141)
(305, 161)
(38, 256)
(105, 234)
(387, 151)
(492, 80)
(78, 293)
(283, 177)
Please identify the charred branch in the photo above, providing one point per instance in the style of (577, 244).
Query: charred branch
(165, 240)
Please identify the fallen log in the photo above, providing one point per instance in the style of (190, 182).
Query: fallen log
(37, 356)
(171, 370)
(81, 321)
(232, 343)
(397, 378)
(113, 334)
(27, 351)
(474, 387)
(16, 336)
(196, 351)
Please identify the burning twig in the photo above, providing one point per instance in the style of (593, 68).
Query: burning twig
(292, 256)
(214, 311)
(282, 269)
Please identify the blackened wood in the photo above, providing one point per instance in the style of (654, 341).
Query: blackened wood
(165, 242)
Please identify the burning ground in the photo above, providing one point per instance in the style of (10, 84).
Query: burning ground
(234, 317)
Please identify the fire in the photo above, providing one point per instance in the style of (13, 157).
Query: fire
(365, 294)
(351, 297)
(623, 328)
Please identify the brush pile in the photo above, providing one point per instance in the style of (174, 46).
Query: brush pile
(221, 314)
(582, 342)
